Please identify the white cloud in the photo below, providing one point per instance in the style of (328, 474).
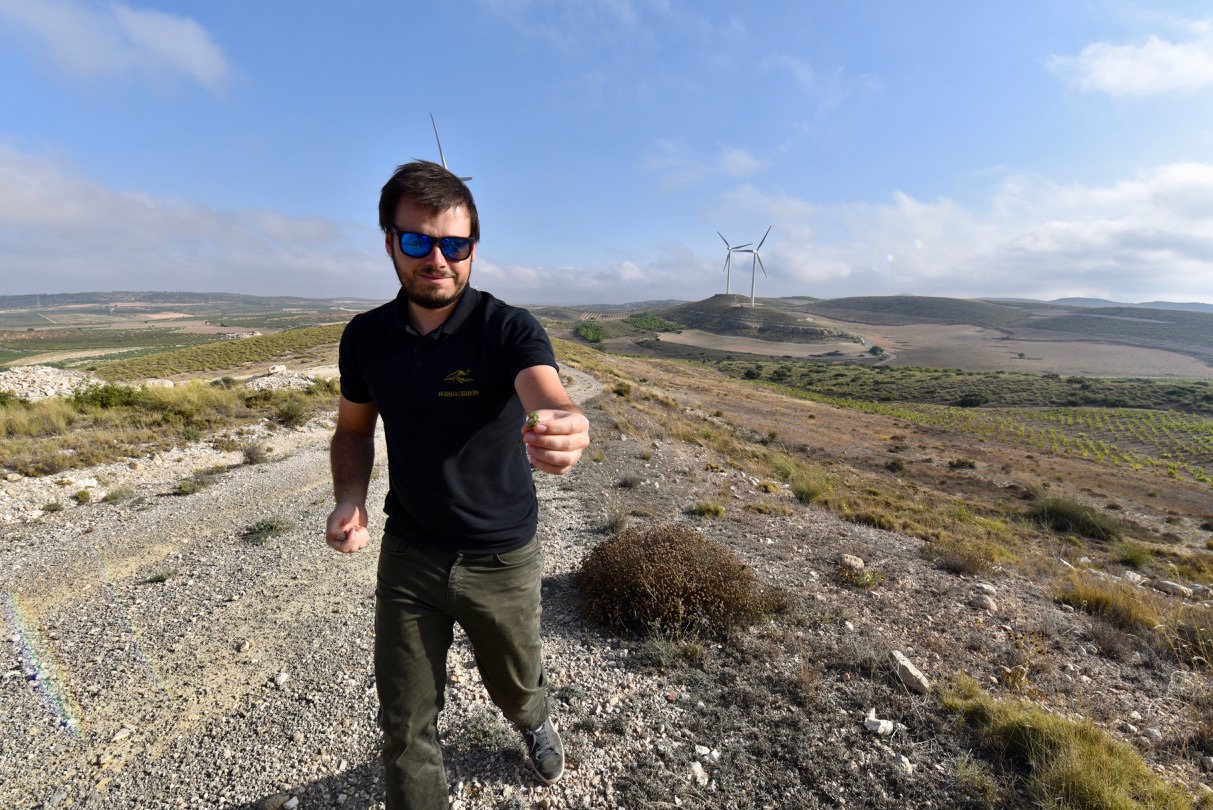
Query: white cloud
(681, 167)
(1153, 67)
(828, 88)
(571, 29)
(1146, 237)
(61, 232)
(116, 40)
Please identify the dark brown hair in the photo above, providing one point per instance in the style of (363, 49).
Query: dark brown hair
(429, 186)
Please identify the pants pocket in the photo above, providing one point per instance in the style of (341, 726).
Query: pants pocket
(519, 557)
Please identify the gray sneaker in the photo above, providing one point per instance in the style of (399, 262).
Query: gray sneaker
(546, 752)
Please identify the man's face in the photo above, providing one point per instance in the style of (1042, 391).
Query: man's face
(433, 281)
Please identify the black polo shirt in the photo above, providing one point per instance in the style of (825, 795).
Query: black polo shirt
(459, 475)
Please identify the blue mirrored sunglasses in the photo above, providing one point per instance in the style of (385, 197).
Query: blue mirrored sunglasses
(419, 245)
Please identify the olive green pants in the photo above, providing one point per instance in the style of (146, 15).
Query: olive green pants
(422, 591)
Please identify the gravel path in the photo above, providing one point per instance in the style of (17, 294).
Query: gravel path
(160, 658)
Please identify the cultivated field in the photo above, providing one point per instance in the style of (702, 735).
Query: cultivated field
(975, 348)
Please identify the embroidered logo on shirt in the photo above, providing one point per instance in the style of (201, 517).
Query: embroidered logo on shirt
(460, 377)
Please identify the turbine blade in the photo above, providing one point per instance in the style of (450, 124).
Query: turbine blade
(722, 239)
(739, 247)
(765, 235)
(441, 156)
(760, 264)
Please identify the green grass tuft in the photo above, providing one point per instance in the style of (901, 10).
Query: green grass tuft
(1069, 764)
(264, 529)
(1064, 514)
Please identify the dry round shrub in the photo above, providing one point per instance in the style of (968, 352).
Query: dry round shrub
(672, 580)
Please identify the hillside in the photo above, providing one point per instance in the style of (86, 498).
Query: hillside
(1181, 330)
(906, 309)
(167, 656)
(732, 315)
(156, 298)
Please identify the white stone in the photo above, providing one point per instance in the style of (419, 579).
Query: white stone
(910, 674)
(983, 602)
(1173, 588)
(699, 774)
(850, 561)
(876, 725)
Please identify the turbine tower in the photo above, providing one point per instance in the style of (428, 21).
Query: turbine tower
(441, 156)
(756, 262)
(728, 260)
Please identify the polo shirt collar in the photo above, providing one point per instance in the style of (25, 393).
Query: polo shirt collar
(467, 303)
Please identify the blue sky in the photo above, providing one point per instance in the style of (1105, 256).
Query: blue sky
(1036, 149)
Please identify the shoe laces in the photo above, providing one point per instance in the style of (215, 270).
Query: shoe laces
(540, 742)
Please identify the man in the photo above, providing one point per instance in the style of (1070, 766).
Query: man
(453, 372)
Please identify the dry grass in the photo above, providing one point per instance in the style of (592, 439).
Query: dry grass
(1065, 514)
(1183, 632)
(1066, 764)
(112, 422)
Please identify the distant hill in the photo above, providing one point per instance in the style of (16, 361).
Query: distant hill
(732, 315)
(899, 310)
(1189, 306)
(1176, 329)
(160, 298)
(1140, 326)
(557, 313)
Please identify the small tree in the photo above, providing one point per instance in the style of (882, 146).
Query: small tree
(590, 332)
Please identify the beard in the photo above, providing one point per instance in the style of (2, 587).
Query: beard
(425, 296)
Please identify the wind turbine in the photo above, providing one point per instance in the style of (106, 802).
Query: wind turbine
(727, 259)
(756, 262)
(441, 156)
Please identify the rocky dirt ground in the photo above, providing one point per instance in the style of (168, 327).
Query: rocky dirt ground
(161, 658)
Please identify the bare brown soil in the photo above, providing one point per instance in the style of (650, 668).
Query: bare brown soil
(972, 348)
(978, 349)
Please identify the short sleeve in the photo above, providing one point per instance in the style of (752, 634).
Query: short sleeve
(353, 382)
(527, 344)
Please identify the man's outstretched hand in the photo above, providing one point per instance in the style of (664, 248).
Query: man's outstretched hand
(556, 440)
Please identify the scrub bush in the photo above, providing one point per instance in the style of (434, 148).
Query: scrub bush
(670, 580)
